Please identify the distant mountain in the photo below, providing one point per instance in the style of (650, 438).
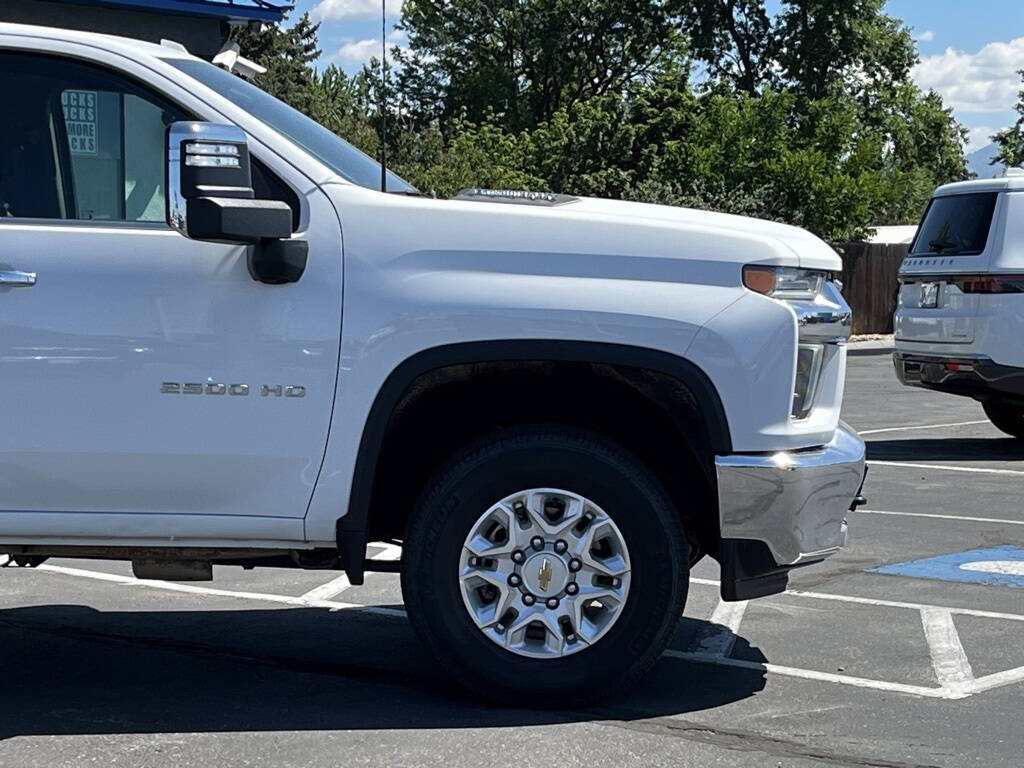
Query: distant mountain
(978, 162)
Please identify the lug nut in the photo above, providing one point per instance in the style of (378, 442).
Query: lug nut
(575, 564)
(560, 546)
(537, 543)
(518, 556)
(514, 580)
(572, 588)
(529, 599)
(552, 603)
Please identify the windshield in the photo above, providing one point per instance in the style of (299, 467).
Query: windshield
(333, 151)
(955, 225)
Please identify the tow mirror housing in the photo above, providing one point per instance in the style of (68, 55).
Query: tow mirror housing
(210, 197)
(234, 220)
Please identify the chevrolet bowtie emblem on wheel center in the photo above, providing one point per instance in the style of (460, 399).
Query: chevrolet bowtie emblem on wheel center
(544, 574)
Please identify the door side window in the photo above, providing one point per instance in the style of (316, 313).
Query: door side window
(85, 143)
(115, 143)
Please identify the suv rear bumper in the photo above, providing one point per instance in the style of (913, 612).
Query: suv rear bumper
(969, 375)
(783, 510)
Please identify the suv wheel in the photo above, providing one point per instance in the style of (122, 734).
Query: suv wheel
(545, 566)
(1007, 417)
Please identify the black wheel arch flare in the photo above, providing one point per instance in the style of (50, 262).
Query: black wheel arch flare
(352, 528)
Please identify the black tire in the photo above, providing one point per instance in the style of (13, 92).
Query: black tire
(1007, 417)
(535, 457)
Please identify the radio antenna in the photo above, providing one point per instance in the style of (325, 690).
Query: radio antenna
(383, 97)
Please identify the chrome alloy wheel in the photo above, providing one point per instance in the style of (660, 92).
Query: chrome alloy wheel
(544, 573)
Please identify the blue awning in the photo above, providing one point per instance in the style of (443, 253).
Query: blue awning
(229, 10)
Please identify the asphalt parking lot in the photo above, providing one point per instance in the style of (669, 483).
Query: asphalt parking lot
(919, 665)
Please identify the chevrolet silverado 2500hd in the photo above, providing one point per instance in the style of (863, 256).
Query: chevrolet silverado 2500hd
(220, 342)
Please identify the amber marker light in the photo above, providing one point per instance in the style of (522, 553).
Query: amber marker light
(759, 279)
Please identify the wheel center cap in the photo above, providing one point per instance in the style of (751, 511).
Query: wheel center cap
(545, 574)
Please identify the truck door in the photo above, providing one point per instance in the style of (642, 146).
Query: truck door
(146, 375)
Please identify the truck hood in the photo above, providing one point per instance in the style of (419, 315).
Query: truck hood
(810, 251)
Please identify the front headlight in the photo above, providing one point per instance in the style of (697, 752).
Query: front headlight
(805, 291)
(784, 282)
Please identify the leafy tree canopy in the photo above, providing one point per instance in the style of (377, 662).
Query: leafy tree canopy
(523, 60)
(1011, 141)
(807, 116)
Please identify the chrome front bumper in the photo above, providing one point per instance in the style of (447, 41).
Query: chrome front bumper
(793, 502)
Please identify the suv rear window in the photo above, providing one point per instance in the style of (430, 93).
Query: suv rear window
(956, 225)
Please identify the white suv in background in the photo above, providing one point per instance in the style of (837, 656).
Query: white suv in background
(961, 301)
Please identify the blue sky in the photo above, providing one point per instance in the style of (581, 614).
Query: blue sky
(970, 49)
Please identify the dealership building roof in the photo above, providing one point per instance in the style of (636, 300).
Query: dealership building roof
(227, 10)
(202, 26)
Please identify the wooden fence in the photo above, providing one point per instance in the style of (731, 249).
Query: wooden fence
(870, 285)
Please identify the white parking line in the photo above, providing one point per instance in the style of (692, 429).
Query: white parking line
(340, 584)
(812, 674)
(998, 680)
(921, 426)
(881, 603)
(720, 636)
(944, 467)
(955, 518)
(950, 663)
(191, 589)
(952, 668)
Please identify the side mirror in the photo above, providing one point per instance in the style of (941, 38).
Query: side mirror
(210, 197)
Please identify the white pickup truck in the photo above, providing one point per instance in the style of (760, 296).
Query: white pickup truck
(221, 343)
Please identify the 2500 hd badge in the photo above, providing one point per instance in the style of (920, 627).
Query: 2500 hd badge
(235, 390)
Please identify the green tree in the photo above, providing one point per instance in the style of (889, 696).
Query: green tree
(734, 40)
(475, 156)
(343, 104)
(810, 46)
(807, 117)
(288, 54)
(1011, 141)
(921, 146)
(852, 43)
(521, 61)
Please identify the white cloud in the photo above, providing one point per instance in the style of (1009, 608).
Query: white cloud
(361, 51)
(926, 37)
(332, 10)
(979, 136)
(985, 81)
(358, 50)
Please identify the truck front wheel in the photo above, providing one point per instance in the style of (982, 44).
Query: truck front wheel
(545, 566)
(1006, 416)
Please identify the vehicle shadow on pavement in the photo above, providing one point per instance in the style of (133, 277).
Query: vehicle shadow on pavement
(949, 449)
(68, 669)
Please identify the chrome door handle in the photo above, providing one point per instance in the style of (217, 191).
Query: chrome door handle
(14, 279)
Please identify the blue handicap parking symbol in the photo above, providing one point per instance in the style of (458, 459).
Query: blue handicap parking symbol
(997, 566)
